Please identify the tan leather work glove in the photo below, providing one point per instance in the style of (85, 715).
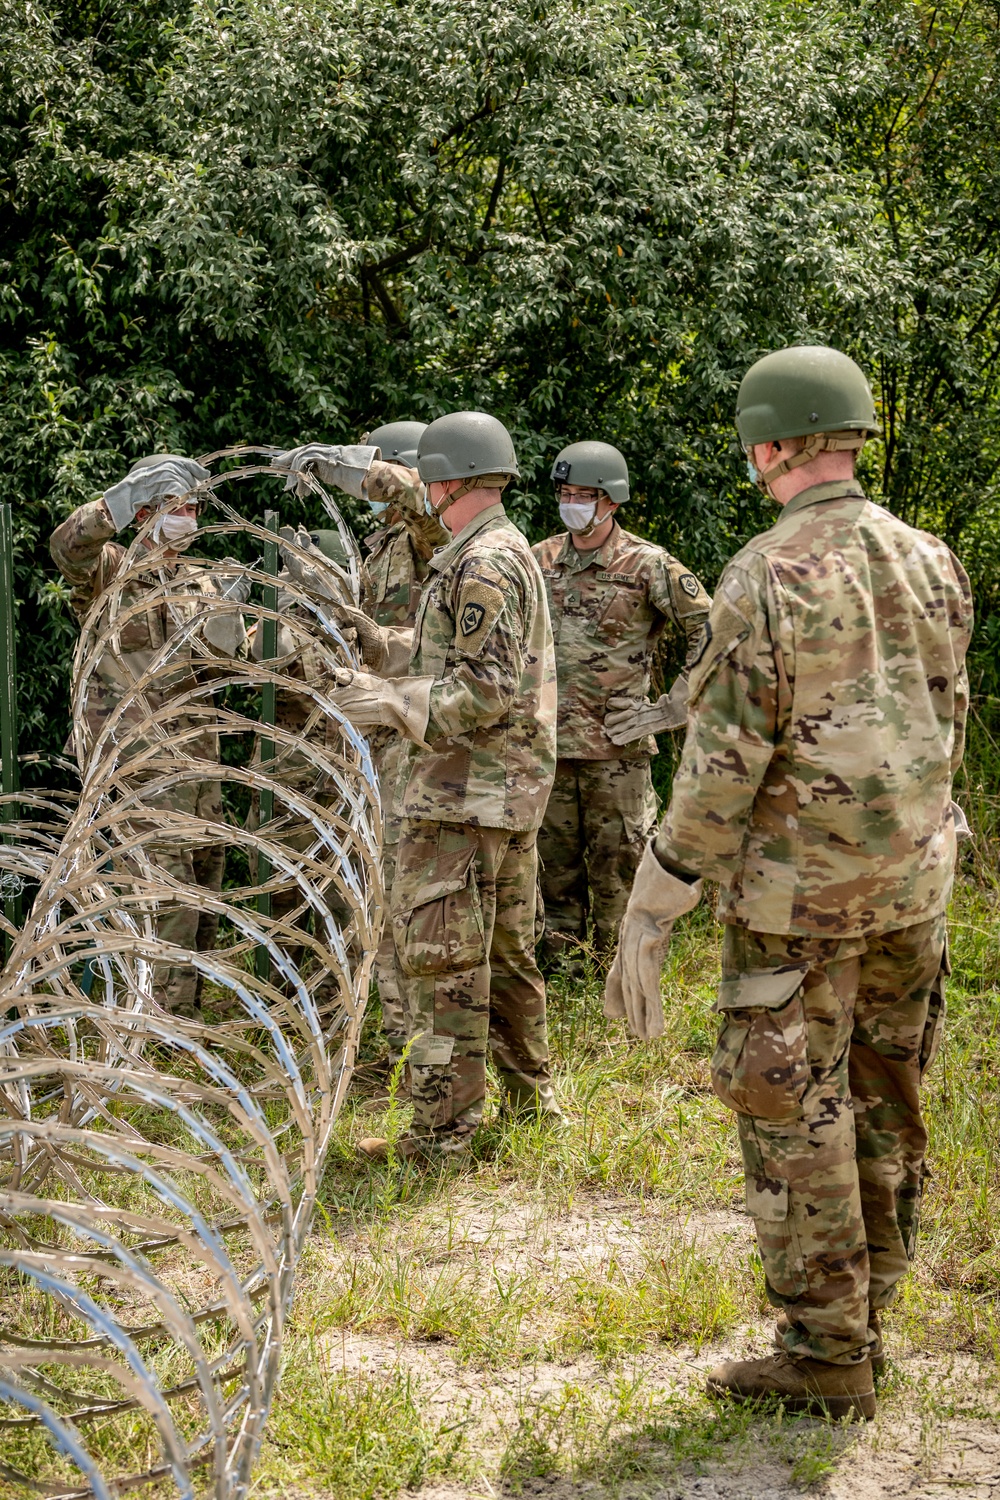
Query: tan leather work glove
(633, 984)
(401, 703)
(629, 719)
(371, 637)
(343, 465)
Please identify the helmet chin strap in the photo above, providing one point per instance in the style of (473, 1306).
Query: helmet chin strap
(477, 482)
(815, 444)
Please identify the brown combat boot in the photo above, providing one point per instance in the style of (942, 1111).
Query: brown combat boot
(807, 1385)
(877, 1354)
(426, 1149)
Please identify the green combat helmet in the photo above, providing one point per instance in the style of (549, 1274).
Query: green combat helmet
(807, 391)
(594, 466)
(331, 546)
(467, 445)
(397, 441)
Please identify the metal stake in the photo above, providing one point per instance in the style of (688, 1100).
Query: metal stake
(9, 781)
(268, 709)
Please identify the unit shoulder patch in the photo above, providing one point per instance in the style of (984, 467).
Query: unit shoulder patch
(479, 607)
(690, 584)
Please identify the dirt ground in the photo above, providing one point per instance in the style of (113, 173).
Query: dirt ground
(937, 1433)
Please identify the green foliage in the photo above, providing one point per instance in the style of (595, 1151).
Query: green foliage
(255, 222)
(361, 1436)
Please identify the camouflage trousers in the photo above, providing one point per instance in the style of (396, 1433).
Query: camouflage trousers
(463, 916)
(599, 816)
(388, 757)
(177, 987)
(823, 1044)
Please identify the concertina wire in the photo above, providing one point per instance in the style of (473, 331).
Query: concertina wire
(158, 1174)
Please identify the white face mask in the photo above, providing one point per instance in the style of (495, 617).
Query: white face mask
(378, 506)
(577, 516)
(174, 529)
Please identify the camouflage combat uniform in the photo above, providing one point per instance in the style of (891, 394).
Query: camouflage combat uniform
(826, 720)
(609, 608)
(86, 555)
(398, 557)
(463, 899)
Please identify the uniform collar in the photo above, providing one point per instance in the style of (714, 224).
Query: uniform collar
(444, 556)
(834, 489)
(374, 537)
(575, 561)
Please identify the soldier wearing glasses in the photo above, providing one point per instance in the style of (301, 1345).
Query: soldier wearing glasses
(611, 597)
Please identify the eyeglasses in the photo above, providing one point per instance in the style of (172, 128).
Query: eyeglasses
(577, 495)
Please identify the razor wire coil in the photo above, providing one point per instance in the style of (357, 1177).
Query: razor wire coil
(158, 1173)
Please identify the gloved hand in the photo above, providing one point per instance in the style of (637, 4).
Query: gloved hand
(237, 587)
(345, 466)
(226, 632)
(149, 483)
(629, 719)
(633, 983)
(318, 574)
(371, 637)
(401, 703)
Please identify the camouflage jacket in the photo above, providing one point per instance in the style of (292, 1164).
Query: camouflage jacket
(399, 552)
(482, 632)
(86, 555)
(397, 565)
(609, 608)
(826, 720)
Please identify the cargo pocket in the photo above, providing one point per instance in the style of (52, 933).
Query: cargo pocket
(933, 1036)
(438, 925)
(768, 1205)
(761, 1061)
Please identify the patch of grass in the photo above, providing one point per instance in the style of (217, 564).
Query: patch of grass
(358, 1436)
(631, 1432)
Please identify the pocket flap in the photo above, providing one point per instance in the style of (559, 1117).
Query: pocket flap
(430, 1051)
(764, 989)
(449, 873)
(767, 1199)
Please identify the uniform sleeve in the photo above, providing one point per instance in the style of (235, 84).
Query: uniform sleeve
(396, 485)
(738, 695)
(677, 593)
(487, 651)
(84, 553)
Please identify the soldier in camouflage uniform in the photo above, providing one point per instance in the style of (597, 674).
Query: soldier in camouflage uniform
(398, 556)
(826, 721)
(473, 688)
(611, 597)
(89, 559)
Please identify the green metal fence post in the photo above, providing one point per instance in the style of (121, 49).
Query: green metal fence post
(268, 707)
(9, 783)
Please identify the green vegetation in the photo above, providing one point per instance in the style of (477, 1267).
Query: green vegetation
(259, 222)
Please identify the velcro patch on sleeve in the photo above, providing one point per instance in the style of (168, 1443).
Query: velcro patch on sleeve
(479, 606)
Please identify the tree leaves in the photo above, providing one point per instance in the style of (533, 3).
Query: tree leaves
(288, 223)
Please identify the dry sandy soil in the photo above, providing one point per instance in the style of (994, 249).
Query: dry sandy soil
(937, 1433)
